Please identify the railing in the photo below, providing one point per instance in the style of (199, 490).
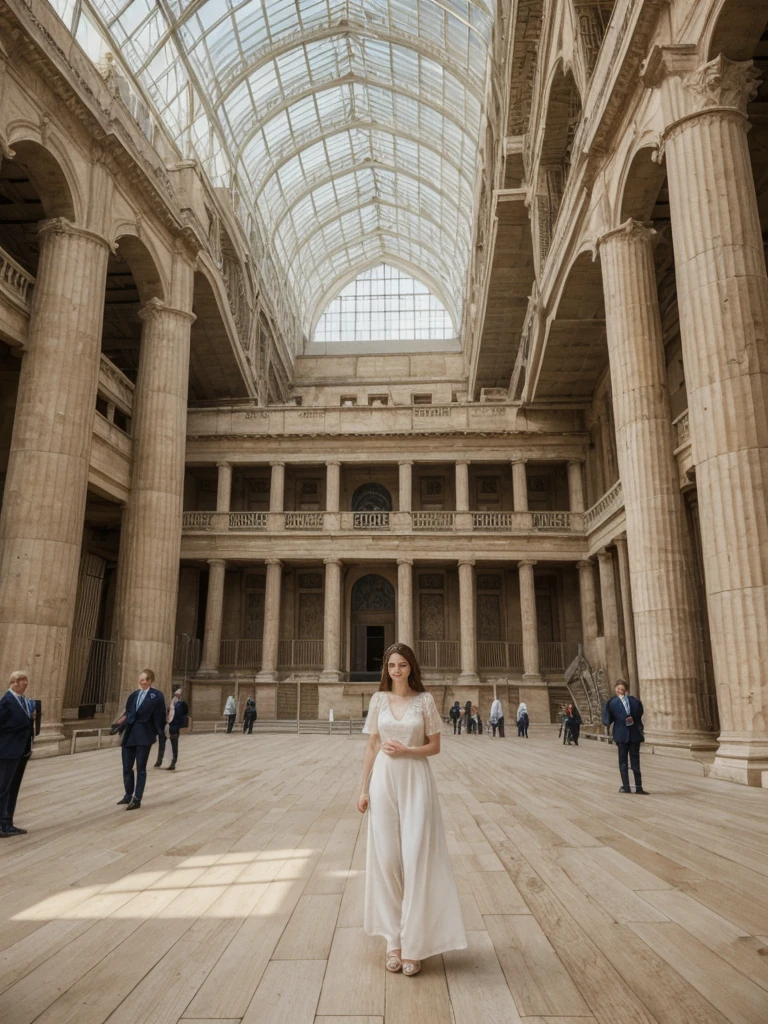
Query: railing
(612, 501)
(244, 653)
(554, 521)
(493, 521)
(499, 654)
(92, 675)
(304, 520)
(370, 521)
(115, 387)
(682, 429)
(552, 655)
(196, 520)
(14, 279)
(439, 653)
(432, 520)
(300, 653)
(247, 520)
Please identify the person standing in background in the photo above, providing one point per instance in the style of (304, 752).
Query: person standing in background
(230, 712)
(468, 716)
(522, 719)
(249, 715)
(625, 714)
(497, 717)
(177, 719)
(144, 722)
(16, 731)
(455, 716)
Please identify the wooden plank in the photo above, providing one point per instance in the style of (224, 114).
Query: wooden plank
(288, 991)
(476, 984)
(354, 980)
(423, 998)
(309, 933)
(495, 893)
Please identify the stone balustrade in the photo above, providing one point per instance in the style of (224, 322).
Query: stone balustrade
(610, 503)
(15, 282)
(115, 387)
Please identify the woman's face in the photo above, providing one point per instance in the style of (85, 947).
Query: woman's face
(398, 668)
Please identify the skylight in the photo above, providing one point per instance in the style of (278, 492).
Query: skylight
(348, 131)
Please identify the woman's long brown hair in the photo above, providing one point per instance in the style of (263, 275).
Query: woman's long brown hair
(414, 679)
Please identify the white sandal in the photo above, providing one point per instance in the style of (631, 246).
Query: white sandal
(393, 963)
(411, 967)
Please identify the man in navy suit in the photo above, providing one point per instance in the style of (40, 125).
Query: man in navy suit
(16, 729)
(144, 722)
(625, 713)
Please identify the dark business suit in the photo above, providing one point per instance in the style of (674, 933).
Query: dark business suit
(142, 727)
(16, 728)
(626, 737)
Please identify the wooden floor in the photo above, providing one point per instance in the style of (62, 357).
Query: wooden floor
(235, 893)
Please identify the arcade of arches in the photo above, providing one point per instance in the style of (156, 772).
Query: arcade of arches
(568, 491)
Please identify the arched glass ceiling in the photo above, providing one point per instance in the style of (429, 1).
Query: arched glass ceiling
(349, 130)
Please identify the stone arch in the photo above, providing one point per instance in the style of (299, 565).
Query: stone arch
(373, 593)
(51, 173)
(371, 497)
(642, 179)
(735, 29)
(143, 264)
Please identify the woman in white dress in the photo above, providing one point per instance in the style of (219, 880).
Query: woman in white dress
(410, 894)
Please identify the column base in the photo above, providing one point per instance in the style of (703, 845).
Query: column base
(207, 673)
(468, 679)
(268, 675)
(51, 741)
(740, 758)
(330, 675)
(684, 744)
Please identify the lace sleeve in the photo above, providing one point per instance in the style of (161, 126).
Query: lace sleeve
(371, 726)
(433, 723)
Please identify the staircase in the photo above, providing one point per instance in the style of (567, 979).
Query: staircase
(588, 689)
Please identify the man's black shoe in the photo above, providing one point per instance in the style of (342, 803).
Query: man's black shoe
(643, 792)
(11, 830)
(126, 800)
(171, 767)
(625, 789)
(133, 805)
(158, 763)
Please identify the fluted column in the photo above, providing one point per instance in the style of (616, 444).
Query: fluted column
(406, 486)
(271, 636)
(588, 602)
(150, 539)
(575, 486)
(224, 489)
(531, 671)
(332, 486)
(41, 528)
(610, 617)
(722, 292)
(519, 486)
(462, 486)
(467, 625)
(405, 601)
(277, 487)
(332, 622)
(660, 559)
(214, 608)
(627, 615)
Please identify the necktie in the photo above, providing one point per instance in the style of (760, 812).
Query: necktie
(140, 698)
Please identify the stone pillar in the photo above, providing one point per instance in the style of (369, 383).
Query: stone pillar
(468, 675)
(150, 539)
(588, 609)
(41, 529)
(214, 607)
(224, 490)
(610, 617)
(332, 622)
(531, 672)
(575, 486)
(626, 608)
(660, 560)
(406, 486)
(519, 486)
(277, 487)
(462, 487)
(271, 637)
(405, 601)
(722, 292)
(332, 486)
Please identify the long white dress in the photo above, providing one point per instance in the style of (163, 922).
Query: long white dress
(410, 893)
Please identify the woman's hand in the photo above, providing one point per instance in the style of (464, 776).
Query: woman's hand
(362, 803)
(394, 748)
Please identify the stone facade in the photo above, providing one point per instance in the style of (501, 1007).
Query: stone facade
(190, 486)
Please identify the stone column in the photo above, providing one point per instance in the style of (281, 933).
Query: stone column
(405, 601)
(150, 538)
(468, 675)
(462, 487)
(531, 672)
(277, 487)
(406, 486)
(610, 617)
(626, 608)
(519, 486)
(214, 607)
(224, 490)
(41, 529)
(575, 486)
(660, 562)
(332, 622)
(271, 637)
(722, 292)
(332, 486)
(588, 609)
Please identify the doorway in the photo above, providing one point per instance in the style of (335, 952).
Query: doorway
(372, 626)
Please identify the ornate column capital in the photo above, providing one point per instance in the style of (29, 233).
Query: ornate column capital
(585, 563)
(461, 462)
(630, 230)
(328, 462)
(62, 226)
(521, 461)
(224, 465)
(604, 555)
(405, 561)
(156, 308)
(405, 462)
(333, 561)
(524, 562)
(217, 563)
(466, 561)
(273, 561)
(276, 465)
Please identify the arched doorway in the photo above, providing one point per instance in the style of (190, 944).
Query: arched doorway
(371, 498)
(372, 625)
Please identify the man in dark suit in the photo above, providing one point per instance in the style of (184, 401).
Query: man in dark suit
(16, 728)
(144, 722)
(625, 713)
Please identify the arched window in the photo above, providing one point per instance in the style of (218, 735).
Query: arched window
(385, 304)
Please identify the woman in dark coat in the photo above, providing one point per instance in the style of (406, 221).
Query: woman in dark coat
(575, 724)
(249, 715)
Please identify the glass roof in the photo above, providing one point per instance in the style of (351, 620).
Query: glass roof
(349, 131)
